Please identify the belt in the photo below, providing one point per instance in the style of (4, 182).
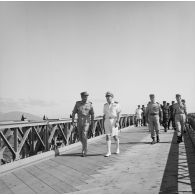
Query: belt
(179, 113)
(153, 114)
(110, 117)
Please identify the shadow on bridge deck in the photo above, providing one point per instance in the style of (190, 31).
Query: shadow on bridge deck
(179, 174)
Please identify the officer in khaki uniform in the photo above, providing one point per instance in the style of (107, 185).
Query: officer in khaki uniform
(179, 113)
(153, 111)
(111, 119)
(85, 113)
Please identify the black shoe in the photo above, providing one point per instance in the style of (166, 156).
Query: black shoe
(153, 141)
(157, 139)
(179, 139)
(84, 154)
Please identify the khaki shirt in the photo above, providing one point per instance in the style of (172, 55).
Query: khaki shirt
(83, 109)
(153, 108)
(179, 108)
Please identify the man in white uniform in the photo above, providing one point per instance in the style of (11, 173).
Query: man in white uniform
(111, 122)
(138, 114)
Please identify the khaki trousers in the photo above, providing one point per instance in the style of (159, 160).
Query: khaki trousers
(154, 125)
(180, 120)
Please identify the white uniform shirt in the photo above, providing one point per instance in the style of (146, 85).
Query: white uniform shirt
(138, 113)
(110, 111)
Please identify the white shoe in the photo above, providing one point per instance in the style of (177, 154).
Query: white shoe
(108, 154)
(117, 151)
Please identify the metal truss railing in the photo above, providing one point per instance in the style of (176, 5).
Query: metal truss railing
(21, 140)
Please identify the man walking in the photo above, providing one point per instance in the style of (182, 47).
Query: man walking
(111, 122)
(143, 115)
(171, 117)
(165, 110)
(153, 111)
(138, 114)
(85, 113)
(180, 113)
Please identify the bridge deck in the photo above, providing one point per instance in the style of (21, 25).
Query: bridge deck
(165, 167)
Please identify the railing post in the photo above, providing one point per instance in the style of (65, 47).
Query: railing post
(46, 128)
(31, 141)
(16, 143)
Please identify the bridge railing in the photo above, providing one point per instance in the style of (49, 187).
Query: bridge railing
(191, 120)
(21, 140)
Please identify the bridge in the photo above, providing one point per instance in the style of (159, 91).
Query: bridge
(44, 157)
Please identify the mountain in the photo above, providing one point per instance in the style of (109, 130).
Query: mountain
(16, 115)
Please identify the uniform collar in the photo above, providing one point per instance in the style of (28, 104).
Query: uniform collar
(112, 102)
(85, 102)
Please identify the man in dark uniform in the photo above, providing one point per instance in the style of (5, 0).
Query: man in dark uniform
(171, 117)
(85, 113)
(143, 115)
(165, 110)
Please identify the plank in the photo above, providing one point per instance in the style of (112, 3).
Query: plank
(62, 177)
(14, 184)
(69, 172)
(37, 185)
(50, 180)
(78, 166)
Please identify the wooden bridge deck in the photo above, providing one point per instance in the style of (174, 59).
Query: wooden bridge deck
(139, 168)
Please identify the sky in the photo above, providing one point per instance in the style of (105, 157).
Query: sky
(52, 51)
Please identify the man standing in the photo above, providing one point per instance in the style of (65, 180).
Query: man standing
(85, 113)
(143, 115)
(180, 113)
(138, 114)
(171, 117)
(165, 110)
(153, 111)
(111, 122)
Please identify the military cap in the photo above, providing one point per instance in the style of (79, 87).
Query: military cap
(152, 95)
(164, 101)
(178, 95)
(108, 93)
(84, 93)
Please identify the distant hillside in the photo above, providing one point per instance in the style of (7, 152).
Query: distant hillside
(16, 115)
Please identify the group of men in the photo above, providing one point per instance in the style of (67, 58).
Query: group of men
(157, 114)
(85, 113)
(153, 115)
(140, 116)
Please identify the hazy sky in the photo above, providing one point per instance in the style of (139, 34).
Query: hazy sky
(52, 51)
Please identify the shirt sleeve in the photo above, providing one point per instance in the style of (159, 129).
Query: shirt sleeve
(119, 108)
(75, 110)
(91, 110)
(104, 110)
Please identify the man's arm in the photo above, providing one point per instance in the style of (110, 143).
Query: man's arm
(73, 114)
(92, 120)
(117, 119)
(146, 114)
(174, 111)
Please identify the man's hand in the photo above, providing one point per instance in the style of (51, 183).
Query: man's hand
(117, 124)
(73, 124)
